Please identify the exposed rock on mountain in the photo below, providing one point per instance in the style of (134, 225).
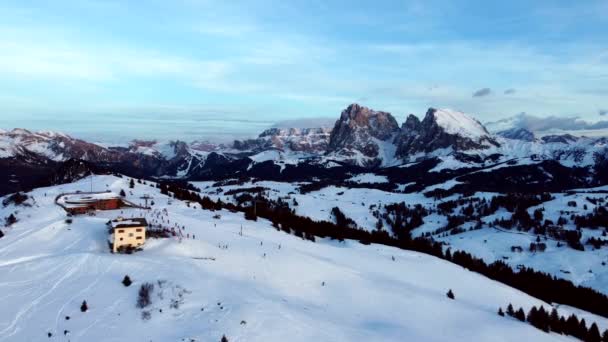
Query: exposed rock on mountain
(362, 131)
(311, 140)
(440, 129)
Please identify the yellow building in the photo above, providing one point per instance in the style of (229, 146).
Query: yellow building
(128, 233)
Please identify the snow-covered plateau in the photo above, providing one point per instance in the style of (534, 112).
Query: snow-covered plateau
(234, 277)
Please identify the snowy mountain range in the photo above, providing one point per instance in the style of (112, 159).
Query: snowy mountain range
(375, 215)
(361, 138)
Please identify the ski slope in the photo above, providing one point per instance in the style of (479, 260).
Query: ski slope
(588, 268)
(263, 285)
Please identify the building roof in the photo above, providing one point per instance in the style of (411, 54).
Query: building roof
(80, 200)
(127, 223)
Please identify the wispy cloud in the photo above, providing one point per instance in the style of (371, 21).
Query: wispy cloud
(27, 56)
(548, 123)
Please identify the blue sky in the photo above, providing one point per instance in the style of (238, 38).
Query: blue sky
(217, 69)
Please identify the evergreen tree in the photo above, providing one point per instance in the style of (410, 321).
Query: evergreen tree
(224, 339)
(500, 312)
(450, 294)
(582, 329)
(520, 315)
(126, 281)
(572, 325)
(84, 307)
(533, 316)
(594, 334)
(131, 184)
(554, 322)
(448, 254)
(510, 311)
(605, 336)
(543, 319)
(10, 220)
(122, 193)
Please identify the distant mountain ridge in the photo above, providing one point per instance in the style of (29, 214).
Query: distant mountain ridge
(361, 138)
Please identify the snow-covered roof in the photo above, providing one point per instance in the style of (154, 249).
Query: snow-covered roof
(127, 223)
(80, 200)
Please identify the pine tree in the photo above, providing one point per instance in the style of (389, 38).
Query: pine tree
(582, 329)
(84, 307)
(543, 319)
(450, 294)
(10, 220)
(126, 281)
(554, 322)
(520, 315)
(131, 184)
(224, 339)
(605, 336)
(533, 316)
(572, 325)
(510, 311)
(122, 193)
(448, 254)
(594, 334)
(500, 312)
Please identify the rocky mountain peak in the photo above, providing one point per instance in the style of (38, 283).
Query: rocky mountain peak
(440, 129)
(362, 130)
(411, 124)
(310, 140)
(381, 125)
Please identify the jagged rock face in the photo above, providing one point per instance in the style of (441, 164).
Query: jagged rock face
(361, 129)
(517, 134)
(312, 140)
(442, 128)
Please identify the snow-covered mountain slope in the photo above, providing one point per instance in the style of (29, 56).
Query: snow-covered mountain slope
(588, 267)
(488, 240)
(455, 122)
(52, 145)
(263, 285)
(442, 130)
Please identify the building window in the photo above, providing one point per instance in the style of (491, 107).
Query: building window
(130, 234)
(138, 238)
(120, 239)
(138, 230)
(121, 231)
